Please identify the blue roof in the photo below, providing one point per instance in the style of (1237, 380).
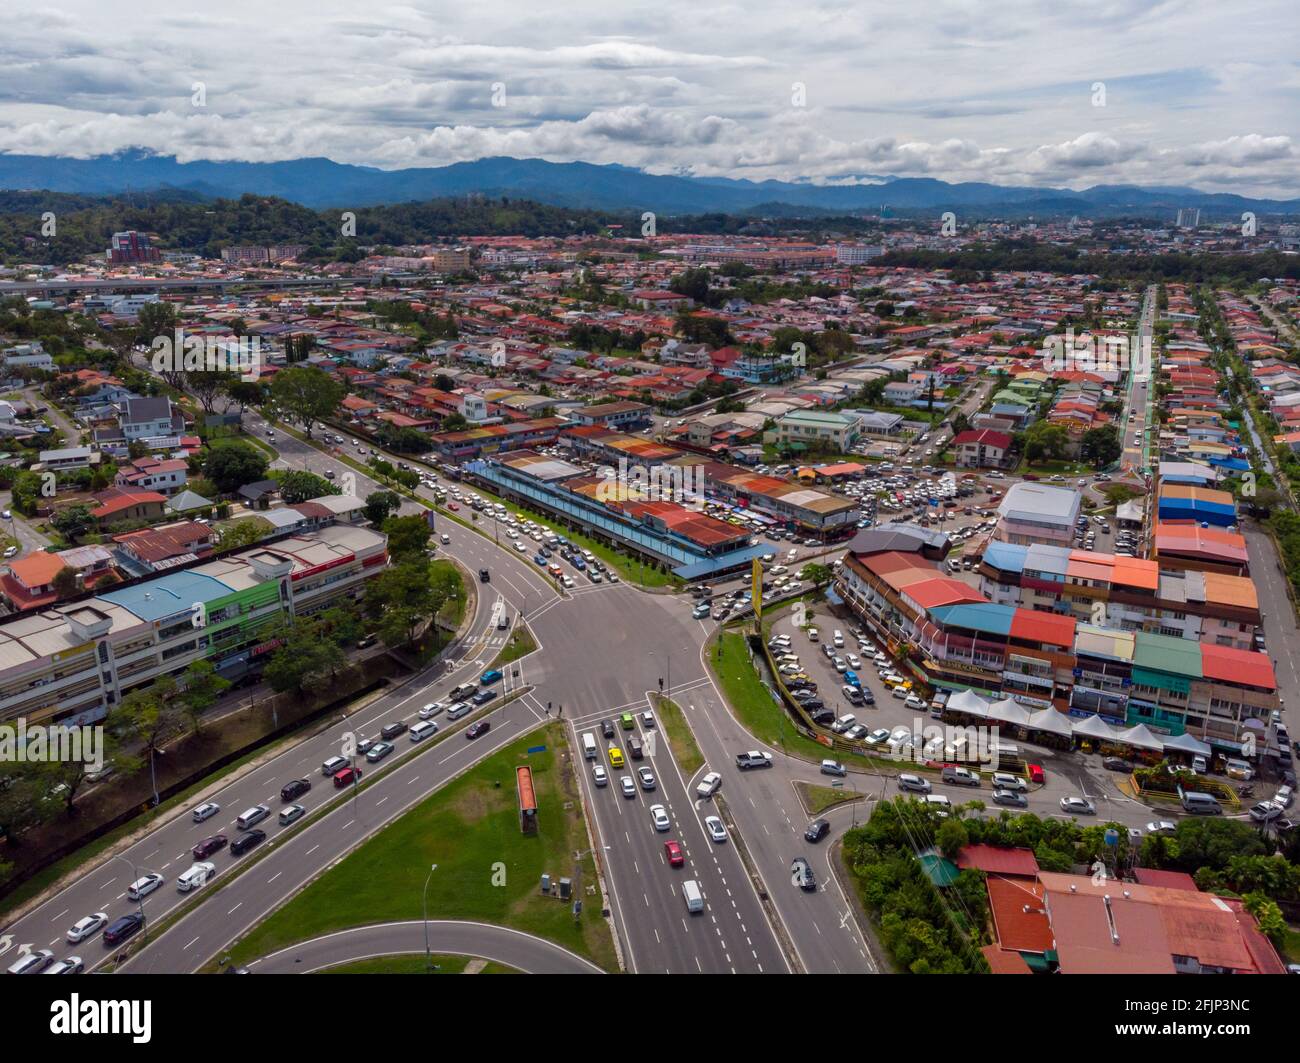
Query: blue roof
(1007, 557)
(978, 616)
(1239, 464)
(168, 595)
(716, 564)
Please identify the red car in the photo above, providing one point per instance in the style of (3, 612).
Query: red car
(674, 851)
(208, 846)
(1036, 773)
(346, 777)
(453, 506)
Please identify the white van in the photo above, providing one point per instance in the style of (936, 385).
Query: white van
(838, 638)
(588, 745)
(1199, 804)
(142, 887)
(422, 730)
(694, 898)
(334, 765)
(195, 877)
(252, 817)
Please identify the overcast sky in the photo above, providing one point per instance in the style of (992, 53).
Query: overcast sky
(1195, 93)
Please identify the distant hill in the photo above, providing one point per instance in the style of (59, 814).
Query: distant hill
(321, 183)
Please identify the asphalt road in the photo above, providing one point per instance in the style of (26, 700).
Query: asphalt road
(524, 952)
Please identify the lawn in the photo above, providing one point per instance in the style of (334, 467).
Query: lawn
(520, 645)
(487, 870)
(752, 703)
(817, 799)
(672, 721)
(414, 963)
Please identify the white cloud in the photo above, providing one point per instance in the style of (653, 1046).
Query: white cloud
(1001, 93)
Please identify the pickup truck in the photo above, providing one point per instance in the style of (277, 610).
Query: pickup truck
(753, 759)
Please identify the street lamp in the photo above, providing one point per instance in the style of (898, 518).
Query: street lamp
(153, 777)
(428, 958)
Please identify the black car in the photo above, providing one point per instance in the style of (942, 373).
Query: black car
(1116, 764)
(817, 830)
(120, 929)
(483, 697)
(246, 841)
(824, 717)
(868, 698)
(484, 576)
(291, 790)
(476, 730)
(801, 873)
(392, 730)
(607, 728)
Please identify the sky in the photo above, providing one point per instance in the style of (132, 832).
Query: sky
(1013, 92)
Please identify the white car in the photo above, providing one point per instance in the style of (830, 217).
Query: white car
(83, 928)
(660, 817)
(444, 538)
(599, 775)
(714, 826)
(205, 811)
(1160, 826)
(431, 710)
(709, 784)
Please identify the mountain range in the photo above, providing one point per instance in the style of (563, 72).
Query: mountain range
(322, 183)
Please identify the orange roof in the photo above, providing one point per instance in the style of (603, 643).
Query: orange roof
(1015, 927)
(1223, 589)
(36, 570)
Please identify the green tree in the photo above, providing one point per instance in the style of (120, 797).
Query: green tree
(380, 505)
(243, 532)
(407, 536)
(303, 486)
(1101, 446)
(306, 394)
(231, 465)
(200, 688)
(72, 522)
(65, 582)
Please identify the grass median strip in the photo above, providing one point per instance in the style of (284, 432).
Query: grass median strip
(672, 721)
(521, 644)
(487, 869)
(754, 706)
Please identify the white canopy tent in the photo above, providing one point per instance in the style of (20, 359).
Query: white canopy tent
(1185, 743)
(969, 702)
(1051, 721)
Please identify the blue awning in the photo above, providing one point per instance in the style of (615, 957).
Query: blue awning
(708, 566)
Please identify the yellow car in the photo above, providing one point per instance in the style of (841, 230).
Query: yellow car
(615, 757)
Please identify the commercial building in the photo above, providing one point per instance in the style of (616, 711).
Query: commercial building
(634, 515)
(832, 431)
(131, 247)
(1125, 593)
(951, 637)
(73, 662)
(1035, 512)
(981, 448)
